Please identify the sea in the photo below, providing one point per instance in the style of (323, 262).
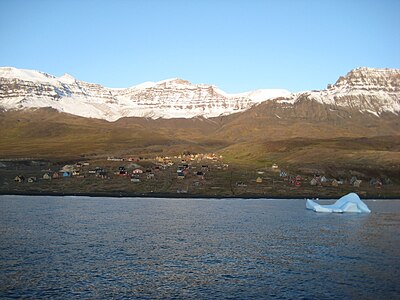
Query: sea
(147, 248)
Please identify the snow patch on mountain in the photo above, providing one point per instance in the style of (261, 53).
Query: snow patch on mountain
(374, 91)
(171, 98)
(26, 75)
(66, 78)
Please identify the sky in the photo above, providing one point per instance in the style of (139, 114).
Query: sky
(236, 45)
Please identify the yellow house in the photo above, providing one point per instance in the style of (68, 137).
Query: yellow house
(259, 180)
(19, 178)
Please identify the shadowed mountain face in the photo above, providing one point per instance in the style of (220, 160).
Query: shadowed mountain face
(306, 119)
(310, 134)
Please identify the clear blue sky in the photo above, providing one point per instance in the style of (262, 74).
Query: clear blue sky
(236, 45)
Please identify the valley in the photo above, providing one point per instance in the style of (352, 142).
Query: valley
(351, 129)
(55, 139)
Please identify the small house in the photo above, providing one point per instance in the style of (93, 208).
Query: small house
(66, 174)
(55, 175)
(99, 170)
(102, 175)
(283, 174)
(134, 179)
(46, 176)
(386, 181)
(296, 181)
(324, 179)
(110, 158)
(32, 179)
(259, 180)
(335, 183)
(274, 167)
(378, 184)
(67, 168)
(150, 175)
(352, 180)
(200, 174)
(76, 173)
(181, 175)
(313, 182)
(137, 171)
(19, 178)
(357, 183)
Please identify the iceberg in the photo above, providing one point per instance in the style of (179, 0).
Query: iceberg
(348, 203)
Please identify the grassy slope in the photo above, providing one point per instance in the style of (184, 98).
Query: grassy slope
(256, 138)
(312, 134)
(47, 133)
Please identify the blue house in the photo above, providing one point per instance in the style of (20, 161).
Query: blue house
(67, 174)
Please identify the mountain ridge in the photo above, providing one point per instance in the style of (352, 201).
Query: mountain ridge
(370, 90)
(169, 98)
(367, 90)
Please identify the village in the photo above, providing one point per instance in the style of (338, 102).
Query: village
(184, 175)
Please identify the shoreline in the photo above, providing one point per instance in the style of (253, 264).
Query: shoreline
(176, 196)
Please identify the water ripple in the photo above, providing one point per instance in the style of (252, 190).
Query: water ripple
(61, 247)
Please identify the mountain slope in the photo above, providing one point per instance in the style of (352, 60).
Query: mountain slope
(48, 133)
(365, 90)
(252, 139)
(374, 91)
(353, 122)
(173, 98)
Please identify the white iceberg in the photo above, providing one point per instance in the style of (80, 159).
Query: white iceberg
(348, 203)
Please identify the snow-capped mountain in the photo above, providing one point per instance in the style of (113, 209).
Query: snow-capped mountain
(369, 90)
(173, 98)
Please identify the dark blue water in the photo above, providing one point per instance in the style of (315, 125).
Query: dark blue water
(73, 247)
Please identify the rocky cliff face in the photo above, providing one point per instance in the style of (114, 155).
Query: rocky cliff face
(369, 79)
(363, 90)
(174, 98)
(367, 90)
(179, 98)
